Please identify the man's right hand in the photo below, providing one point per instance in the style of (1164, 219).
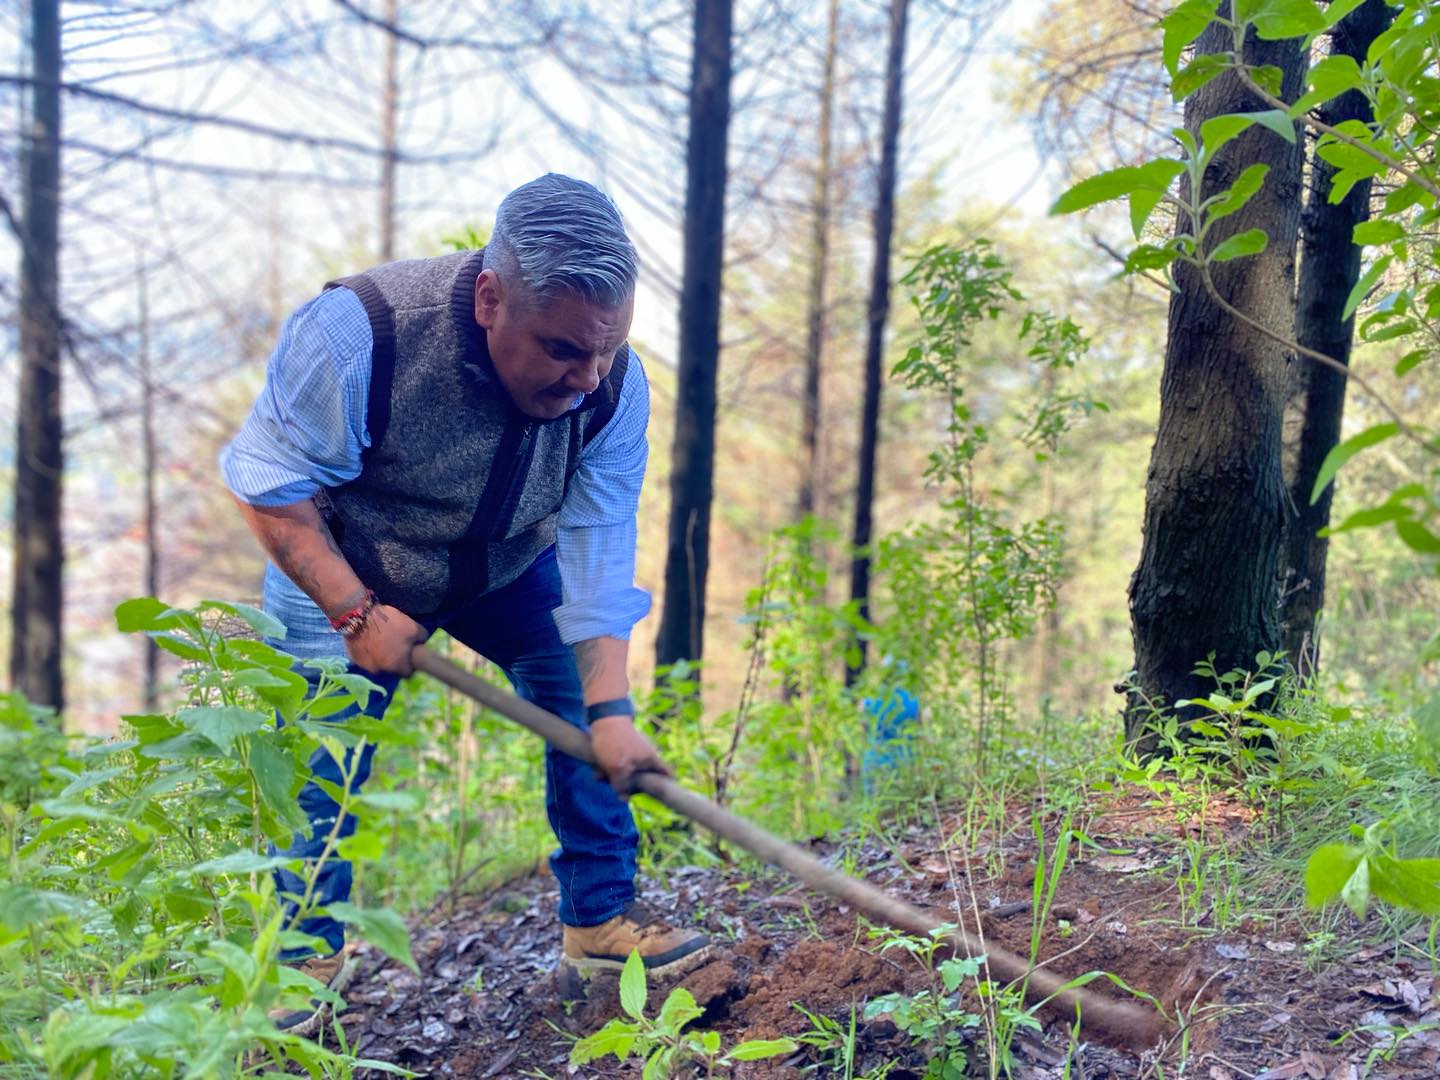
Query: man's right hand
(386, 640)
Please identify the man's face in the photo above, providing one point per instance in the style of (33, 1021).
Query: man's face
(548, 353)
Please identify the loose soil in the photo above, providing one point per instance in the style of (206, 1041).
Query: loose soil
(1257, 1004)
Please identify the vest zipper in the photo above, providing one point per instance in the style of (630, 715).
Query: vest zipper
(515, 483)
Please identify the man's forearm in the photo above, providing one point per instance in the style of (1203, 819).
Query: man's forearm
(602, 664)
(299, 542)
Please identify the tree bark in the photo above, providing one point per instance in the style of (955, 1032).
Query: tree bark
(682, 622)
(1215, 495)
(879, 310)
(389, 105)
(806, 502)
(1329, 268)
(35, 651)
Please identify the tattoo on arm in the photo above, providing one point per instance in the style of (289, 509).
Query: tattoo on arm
(589, 661)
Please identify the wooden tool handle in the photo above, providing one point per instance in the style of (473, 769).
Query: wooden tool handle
(1127, 1021)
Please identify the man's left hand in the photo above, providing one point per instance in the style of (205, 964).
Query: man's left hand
(621, 752)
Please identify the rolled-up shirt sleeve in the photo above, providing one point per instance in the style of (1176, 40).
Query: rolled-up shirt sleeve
(595, 531)
(307, 428)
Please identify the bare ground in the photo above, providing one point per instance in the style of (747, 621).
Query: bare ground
(1255, 1003)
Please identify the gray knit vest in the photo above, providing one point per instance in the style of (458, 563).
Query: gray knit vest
(458, 490)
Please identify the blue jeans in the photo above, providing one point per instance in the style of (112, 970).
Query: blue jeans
(512, 626)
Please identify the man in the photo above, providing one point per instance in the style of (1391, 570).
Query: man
(459, 442)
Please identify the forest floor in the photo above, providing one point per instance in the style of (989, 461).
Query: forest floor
(1265, 998)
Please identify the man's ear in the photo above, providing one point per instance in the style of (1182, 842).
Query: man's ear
(489, 295)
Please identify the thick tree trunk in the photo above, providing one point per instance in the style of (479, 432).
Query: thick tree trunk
(35, 651)
(879, 311)
(806, 502)
(389, 106)
(1329, 268)
(682, 622)
(1214, 496)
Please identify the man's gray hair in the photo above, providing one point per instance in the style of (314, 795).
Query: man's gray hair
(559, 235)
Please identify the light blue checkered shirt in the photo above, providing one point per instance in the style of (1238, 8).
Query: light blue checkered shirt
(307, 431)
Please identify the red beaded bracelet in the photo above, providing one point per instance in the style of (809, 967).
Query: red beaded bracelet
(353, 621)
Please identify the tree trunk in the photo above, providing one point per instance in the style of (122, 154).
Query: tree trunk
(35, 651)
(682, 622)
(150, 692)
(1329, 268)
(879, 311)
(806, 502)
(1214, 496)
(389, 99)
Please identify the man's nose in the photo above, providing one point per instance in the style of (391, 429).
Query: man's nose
(585, 376)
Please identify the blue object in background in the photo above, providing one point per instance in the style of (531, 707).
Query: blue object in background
(893, 723)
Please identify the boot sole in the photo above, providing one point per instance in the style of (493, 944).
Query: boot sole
(588, 966)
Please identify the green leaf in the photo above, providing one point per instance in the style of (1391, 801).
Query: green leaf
(1277, 121)
(241, 862)
(1371, 517)
(1418, 538)
(1350, 158)
(223, 724)
(1356, 890)
(632, 986)
(1181, 27)
(1412, 884)
(1239, 193)
(1150, 257)
(1384, 231)
(262, 622)
(274, 773)
(1362, 287)
(22, 907)
(1219, 130)
(280, 688)
(1276, 20)
(679, 1009)
(1409, 362)
(1405, 196)
(141, 614)
(1249, 242)
(180, 646)
(1159, 175)
(1197, 73)
(1327, 871)
(381, 927)
(404, 802)
(1336, 10)
(1102, 188)
(616, 1037)
(1269, 78)
(1142, 205)
(759, 1049)
(1343, 452)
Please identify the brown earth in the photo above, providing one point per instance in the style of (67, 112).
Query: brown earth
(1253, 1005)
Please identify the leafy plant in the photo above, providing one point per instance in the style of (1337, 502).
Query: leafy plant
(139, 927)
(1356, 872)
(934, 1018)
(663, 1042)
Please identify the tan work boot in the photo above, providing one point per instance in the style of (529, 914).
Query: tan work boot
(665, 949)
(333, 972)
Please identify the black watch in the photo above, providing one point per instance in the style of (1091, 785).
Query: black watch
(620, 706)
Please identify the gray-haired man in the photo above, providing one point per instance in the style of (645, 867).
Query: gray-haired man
(459, 442)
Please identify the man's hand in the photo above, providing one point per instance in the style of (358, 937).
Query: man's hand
(386, 640)
(621, 752)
